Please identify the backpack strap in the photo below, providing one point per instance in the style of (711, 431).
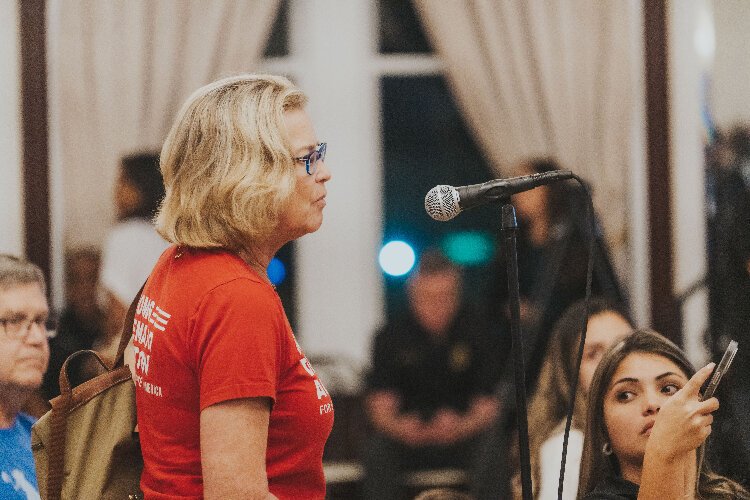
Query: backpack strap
(62, 405)
(56, 454)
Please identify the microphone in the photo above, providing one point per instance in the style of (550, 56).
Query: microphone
(445, 202)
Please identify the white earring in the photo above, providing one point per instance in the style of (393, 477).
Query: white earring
(607, 449)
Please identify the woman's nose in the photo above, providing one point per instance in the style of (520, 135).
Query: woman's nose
(322, 173)
(653, 403)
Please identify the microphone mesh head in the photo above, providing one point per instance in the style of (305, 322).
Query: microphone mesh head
(441, 203)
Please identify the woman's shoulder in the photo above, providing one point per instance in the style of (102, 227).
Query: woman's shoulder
(211, 261)
(25, 422)
(554, 442)
(211, 275)
(549, 462)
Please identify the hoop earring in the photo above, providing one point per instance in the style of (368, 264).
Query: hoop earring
(607, 449)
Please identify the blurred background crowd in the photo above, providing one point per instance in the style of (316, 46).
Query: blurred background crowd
(647, 101)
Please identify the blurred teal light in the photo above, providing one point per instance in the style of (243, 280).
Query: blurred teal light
(469, 248)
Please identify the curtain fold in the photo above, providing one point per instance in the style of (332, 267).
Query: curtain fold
(546, 78)
(118, 72)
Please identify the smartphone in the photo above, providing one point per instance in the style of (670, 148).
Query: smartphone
(720, 370)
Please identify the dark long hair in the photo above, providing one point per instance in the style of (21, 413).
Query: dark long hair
(595, 466)
(142, 171)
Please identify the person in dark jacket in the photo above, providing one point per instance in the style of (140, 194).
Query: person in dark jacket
(430, 390)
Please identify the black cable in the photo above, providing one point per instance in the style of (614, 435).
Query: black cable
(585, 321)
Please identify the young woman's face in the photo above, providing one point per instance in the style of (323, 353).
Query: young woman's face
(638, 388)
(603, 331)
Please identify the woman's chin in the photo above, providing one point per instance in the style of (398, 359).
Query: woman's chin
(315, 224)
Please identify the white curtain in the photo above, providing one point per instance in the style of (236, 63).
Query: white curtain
(546, 78)
(119, 71)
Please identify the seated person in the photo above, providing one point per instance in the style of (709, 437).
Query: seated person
(23, 359)
(728, 278)
(430, 388)
(548, 409)
(552, 254)
(82, 320)
(646, 426)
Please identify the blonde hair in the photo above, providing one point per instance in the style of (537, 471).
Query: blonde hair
(227, 164)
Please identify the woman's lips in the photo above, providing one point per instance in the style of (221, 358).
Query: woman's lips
(647, 428)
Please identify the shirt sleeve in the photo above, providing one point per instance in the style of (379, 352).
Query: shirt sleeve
(130, 252)
(237, 333)
(550, 455)
(111, 275)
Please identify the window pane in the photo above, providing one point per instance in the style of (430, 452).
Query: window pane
(426, 143)
(278, 39)
(399, 28)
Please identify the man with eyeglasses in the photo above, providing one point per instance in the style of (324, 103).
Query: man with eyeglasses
(24, 353)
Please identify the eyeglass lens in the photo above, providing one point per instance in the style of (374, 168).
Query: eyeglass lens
(318, 154)
(21, 328)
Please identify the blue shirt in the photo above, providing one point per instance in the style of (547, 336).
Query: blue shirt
(17, 471)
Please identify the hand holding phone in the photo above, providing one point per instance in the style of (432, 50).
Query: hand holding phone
(720, 370)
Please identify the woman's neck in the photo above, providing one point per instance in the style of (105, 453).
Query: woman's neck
(631, 472)
(258, 259)
(11, 402)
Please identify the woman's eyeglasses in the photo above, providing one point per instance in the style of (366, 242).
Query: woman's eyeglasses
(311, 159)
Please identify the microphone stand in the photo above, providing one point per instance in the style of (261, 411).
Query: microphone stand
(509, 231)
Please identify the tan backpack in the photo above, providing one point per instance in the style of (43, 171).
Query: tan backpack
(86, 446)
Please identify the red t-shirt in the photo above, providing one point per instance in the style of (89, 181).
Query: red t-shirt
(208, 329)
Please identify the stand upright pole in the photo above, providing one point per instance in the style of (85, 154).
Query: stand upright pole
(510, 229)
